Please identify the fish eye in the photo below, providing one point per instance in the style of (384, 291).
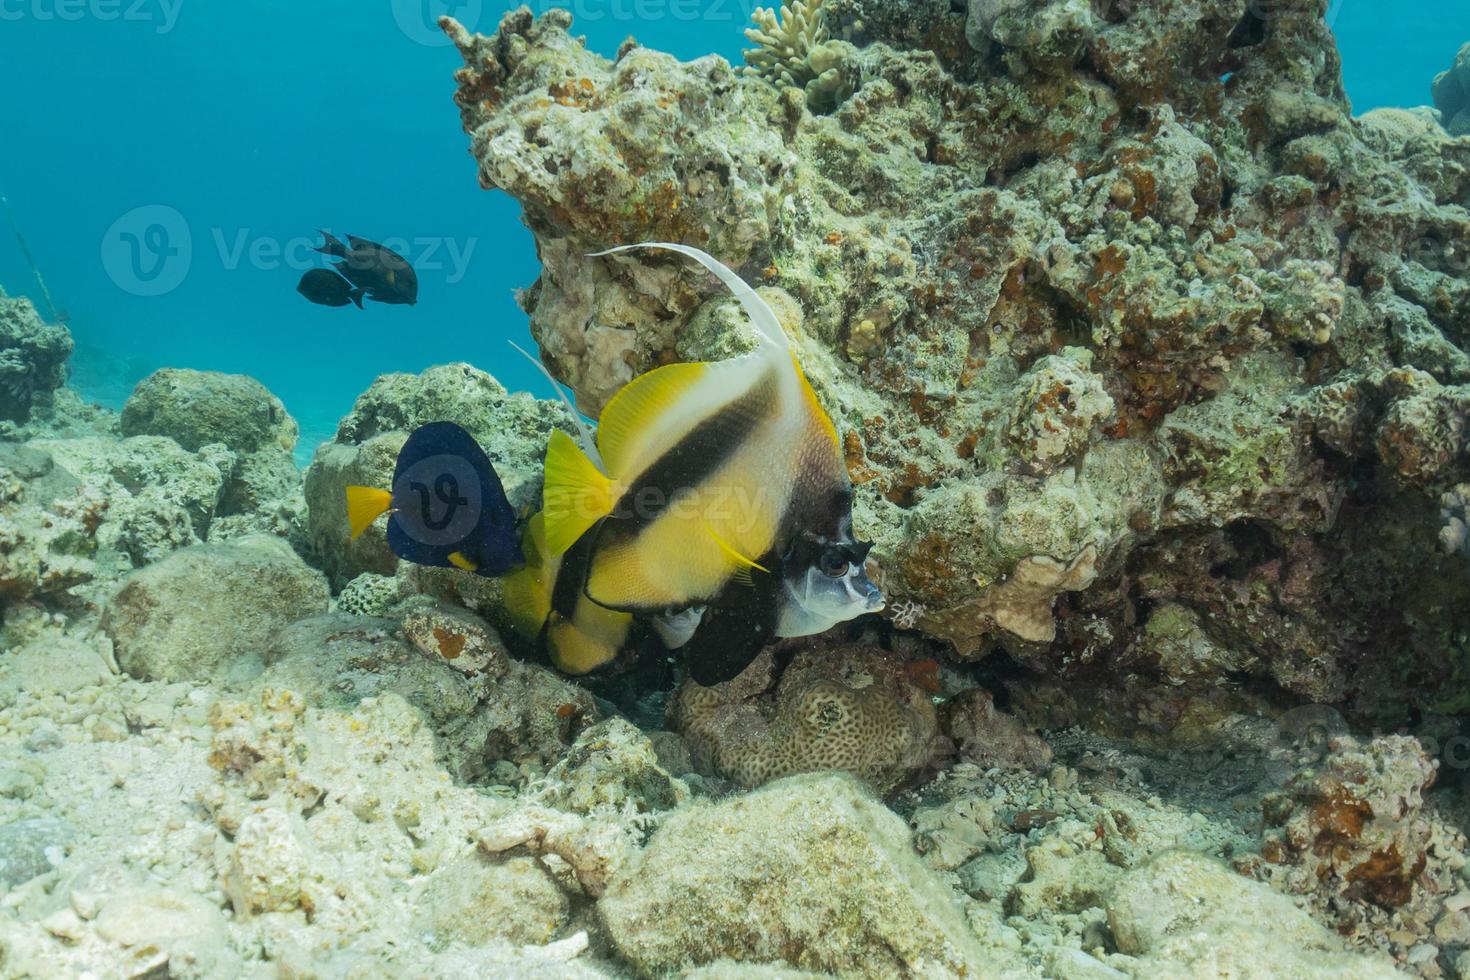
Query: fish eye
(833, 563)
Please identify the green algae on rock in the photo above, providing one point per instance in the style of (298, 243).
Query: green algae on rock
(209, 608)
(810, 871)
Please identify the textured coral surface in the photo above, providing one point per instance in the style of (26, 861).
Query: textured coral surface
(1117, 309)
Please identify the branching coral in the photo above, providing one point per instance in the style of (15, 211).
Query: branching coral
(793, 50)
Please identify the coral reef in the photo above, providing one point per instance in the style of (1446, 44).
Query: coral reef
(1150, 367)
(1090, 293)
(32, 359)
(1452, 94)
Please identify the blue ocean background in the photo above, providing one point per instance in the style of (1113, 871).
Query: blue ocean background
(239, 129)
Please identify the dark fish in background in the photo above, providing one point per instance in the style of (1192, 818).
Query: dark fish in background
(383, 273)
(325, 288)
(446, 508)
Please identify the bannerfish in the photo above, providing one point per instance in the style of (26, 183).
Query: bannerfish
(715, 502)
(382, 273)
(325, 288)
(446, 507)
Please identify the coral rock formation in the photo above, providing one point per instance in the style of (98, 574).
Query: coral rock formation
(810, 871)
(854, 709)
(207, 608)
(1452, 94)
(1125, 282)
(32, 359)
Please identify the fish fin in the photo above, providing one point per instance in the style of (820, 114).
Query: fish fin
(584, 434)
(743, 565)
(757, 309)
(330, 245)
(814, 405)
(732, 634)
(392, 277)
(526, 592)
(592, 638)
(636, 405)
(577, 494)
(365, 505)
(356, 296)
(458, 560)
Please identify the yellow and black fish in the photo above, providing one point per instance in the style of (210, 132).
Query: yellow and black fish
(717, 486)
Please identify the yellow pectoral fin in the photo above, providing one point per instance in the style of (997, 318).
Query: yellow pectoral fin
(458, 560)
(636, 406)
(592, 639)
(365, 505)
(577, 494)
(526, 592)
(526, 601)
(742, 566)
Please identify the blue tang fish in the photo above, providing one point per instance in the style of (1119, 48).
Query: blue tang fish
(447, 507)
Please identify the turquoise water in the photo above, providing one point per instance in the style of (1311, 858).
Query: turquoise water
(240, 129)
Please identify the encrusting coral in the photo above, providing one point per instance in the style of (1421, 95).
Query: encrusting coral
(853, 708)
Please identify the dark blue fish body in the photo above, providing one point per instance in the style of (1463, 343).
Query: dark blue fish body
(447, 507)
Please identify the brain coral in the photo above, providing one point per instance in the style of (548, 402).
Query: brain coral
(855, 709)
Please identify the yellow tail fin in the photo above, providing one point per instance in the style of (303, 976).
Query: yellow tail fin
(365, 505)
(577, 494)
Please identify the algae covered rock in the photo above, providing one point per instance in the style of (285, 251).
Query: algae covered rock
(207, 607)
(1452, 94)
(810, 871)
(203, 408)
(475, 900)
(612, 764)
(196, 408)
(1184, 914)
(507, 711)
(32, 359)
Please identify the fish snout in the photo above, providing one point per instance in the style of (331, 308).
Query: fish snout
(869, 594)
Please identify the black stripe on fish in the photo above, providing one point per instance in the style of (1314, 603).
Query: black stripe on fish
(694, 458)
